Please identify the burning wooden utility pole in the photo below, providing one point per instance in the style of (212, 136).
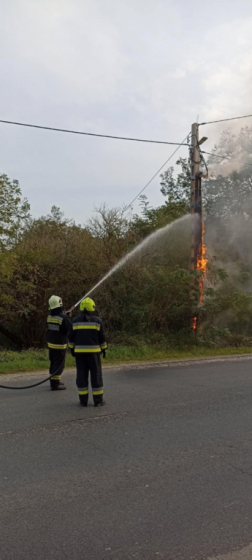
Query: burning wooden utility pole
(197, 256)
(196, 199)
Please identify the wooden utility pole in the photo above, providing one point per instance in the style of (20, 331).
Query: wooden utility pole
(196, 199)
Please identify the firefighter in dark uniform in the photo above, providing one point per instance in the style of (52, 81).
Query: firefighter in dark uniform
(87, 342)
(58, 326)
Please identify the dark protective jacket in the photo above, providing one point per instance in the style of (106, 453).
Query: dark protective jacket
(58, 325)
(86, 334)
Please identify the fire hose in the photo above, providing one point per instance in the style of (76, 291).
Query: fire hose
(39, 382)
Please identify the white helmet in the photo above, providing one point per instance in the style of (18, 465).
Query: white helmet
(54, 302)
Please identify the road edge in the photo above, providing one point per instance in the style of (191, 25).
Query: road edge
(141, 365)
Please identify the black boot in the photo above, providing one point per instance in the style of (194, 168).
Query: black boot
(62, 385)
(101, 403)
(83, 400)
(57, 386)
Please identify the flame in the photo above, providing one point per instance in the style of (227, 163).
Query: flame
(201, 266)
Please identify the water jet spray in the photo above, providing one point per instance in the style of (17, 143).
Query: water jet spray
(146, 243)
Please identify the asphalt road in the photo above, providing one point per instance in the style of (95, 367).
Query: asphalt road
(163, 471)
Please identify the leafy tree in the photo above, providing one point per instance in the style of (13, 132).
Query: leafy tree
(14, 211)
(109, 227)
(176, 191)
(14, 216)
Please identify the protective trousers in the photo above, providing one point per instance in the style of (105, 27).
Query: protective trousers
(57, 364)
(85, 363)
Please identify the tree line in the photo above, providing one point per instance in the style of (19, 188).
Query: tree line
(152, 298)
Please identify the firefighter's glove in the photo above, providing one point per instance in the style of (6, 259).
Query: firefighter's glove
(104, 353)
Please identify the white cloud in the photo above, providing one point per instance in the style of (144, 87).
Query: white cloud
(136, 67)
(226, 69)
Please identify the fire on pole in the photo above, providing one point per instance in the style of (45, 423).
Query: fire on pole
(198, 261)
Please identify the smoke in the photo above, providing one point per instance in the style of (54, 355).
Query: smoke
(228, 305)
(229, 248)
(234, 150)
(238, 236)
(232, 235)
(228, 207)
(226, 167)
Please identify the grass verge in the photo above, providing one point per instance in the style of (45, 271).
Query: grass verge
(37, 360)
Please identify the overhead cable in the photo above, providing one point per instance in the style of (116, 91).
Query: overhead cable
(90, 133)
(225, 120)
(160, 169)
(228, 158)
(215, 155)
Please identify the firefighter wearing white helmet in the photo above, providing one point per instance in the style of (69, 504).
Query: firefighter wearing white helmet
(58, 325)
(87, 342)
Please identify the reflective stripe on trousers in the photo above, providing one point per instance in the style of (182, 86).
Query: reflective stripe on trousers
(83, 391)
(98, 391)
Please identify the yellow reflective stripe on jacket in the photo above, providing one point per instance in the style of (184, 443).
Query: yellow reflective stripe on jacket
(55, 321)
(57, 346)
(71, 344)
(104, 346)
(78, 349)
(78, 327)
(89, 325)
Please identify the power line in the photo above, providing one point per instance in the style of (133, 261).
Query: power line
(90, 133)
(225, 120)
(160, 169)
(215, 155)
(228, 158)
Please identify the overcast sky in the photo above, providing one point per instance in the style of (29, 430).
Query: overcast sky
(144, 68)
